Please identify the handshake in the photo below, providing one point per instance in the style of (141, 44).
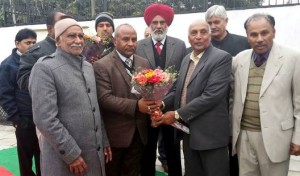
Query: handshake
(153, 108)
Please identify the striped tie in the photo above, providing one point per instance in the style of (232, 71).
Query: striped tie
(128, 62)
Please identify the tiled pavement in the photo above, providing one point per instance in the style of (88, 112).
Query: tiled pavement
(7, 140)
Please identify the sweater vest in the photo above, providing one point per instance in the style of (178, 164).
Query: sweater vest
(251, 114)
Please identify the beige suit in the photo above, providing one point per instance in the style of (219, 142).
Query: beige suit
(279, 100)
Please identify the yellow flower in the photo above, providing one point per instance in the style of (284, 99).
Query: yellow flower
(149, 74)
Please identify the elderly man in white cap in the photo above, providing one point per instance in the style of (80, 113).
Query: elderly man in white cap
(65, 108)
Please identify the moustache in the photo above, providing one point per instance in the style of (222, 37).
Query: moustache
(214, 30)
(158, 30)
(76, 45)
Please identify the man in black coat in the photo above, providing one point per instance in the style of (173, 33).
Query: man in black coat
(40, 49)
(216, 17)
(17, 104)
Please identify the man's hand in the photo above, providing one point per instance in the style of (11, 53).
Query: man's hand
(294, 149)
(155, 122)
(147, 106)
(107, 154)
(78, 166)
(169, 117)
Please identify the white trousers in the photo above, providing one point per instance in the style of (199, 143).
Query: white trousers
(253, 159)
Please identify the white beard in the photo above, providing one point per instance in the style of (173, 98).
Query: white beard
(159, 37)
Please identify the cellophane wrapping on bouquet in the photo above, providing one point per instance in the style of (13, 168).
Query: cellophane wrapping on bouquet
(154, 85)
(96, 47)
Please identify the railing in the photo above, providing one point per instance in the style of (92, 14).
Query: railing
(24, 12)
(3, 116)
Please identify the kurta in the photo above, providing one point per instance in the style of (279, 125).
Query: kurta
(66, 111)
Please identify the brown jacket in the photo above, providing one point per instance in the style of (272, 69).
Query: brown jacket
(118, 105)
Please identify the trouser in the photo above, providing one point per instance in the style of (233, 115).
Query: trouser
(172, 149)
(28, 147)
(126, 161)
(253, 158)
(161, 149)
(233, 162)
(212, 162)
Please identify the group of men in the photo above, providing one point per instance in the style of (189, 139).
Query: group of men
(92, 123)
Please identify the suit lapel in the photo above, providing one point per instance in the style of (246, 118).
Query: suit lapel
(274, 64)
(201, 64)
(244, 73)
(121, 68)
(148, 49)
(170, 44)
(183, 72)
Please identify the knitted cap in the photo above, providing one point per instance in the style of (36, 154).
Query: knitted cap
(105, 16)
(62, 25)
(165, 11)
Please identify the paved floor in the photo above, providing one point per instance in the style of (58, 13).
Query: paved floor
(8, 140)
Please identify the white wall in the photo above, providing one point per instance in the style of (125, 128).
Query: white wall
(287, 26)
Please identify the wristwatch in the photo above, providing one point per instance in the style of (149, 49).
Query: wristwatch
(177, 116)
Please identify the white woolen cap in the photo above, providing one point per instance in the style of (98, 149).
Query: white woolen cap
(62, 25)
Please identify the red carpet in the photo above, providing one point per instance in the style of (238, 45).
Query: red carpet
(4, 172)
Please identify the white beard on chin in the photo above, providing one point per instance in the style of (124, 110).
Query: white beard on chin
(159, 37)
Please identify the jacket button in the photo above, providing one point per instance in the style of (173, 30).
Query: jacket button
(94, 109)
(62, 152)
(88, 90)
(98, 148)
(96, 128)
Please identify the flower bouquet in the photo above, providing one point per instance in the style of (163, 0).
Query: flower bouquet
(96, 47)
(154, 85)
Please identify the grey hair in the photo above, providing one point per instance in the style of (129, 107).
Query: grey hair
(257, 16)
(199, 21)
(216, 10)
(120, 26)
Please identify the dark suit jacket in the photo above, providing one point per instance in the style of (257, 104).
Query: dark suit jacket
(30, 57)
(206, 110)
(176, 50)
(117, 104)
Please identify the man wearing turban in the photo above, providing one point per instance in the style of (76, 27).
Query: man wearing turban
(162, 51)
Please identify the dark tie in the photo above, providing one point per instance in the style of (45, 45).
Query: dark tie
(260, 59)
(158, 49)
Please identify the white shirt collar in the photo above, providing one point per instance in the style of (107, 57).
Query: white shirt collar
(162, 41)
(18, 53)
(196, 60)
(123, 58)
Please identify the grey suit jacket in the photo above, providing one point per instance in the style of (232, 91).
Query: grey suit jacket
(176, 50)
(206, 110)
(279, 100)
(66, 111)
(118, 105)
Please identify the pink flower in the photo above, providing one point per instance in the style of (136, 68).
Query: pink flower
(153, 84)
